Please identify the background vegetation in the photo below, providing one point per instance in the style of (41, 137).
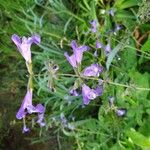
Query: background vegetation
(126, 73)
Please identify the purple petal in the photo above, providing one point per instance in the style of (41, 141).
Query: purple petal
(121, 112)
(78, 52)
(25, 129)
(36, 39)
(74, 44)
(93, 70)
(99, 90)
(95, 53)
(27, 102)
(98, 44)
(71, 59)
(63, 119)
(40, 108)
(21, 113)
(24, 45)
(111, 12)
(40, 120)
(118, 27)
(86, 100)
(93, 26)
(74, 92)
(88, 94)
(30, 109)
(16, 39)
(107, 49)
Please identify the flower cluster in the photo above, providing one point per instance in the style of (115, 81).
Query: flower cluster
(93, 70)
(27, 107)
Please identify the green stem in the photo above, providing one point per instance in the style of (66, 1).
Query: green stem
(109, 82)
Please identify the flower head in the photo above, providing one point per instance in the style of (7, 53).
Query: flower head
(111, 12)
(93, 70)
(99, 44)
(27, 102)
(93, 26)
(71, 59)
(74, 92)
(24, 45)
(107, 49)
(77, 55)
(40, 120)
(117, 28)
(121, 112)
(27, 107)
(25, 129)
(90, 94)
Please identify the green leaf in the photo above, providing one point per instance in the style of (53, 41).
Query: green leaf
(112, 55)
(128, 3)
(138, 138)
(140, 80)
(146, 45)
(128, 57)
(123, 14)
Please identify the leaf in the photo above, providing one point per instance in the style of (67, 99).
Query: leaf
(138, 138)
(128, 3)
(146, 45)
(128, 57)
(140, 80)
(112, 55)
(124, 14)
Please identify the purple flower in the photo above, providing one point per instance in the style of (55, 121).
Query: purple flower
(71, 59)
(27, 107)
(90, 94)
(74, 92)
(63, 119)
(25, 129)
(93, 70)
(111, 12)
(77, 55)
(117, 28)
(40, 120)
(121, 112)
(107, 49)
(24, 45)
(27, 102)
(98, 44)
(78, 51)
(93, 26)
(95, 53)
